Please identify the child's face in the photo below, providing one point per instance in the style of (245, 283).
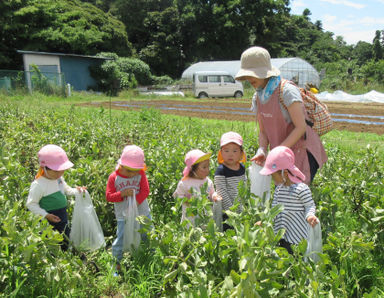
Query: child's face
(53, 175)
(278, 177)
(127, 173)
(231, 154)
(202, 170)
(257, 83)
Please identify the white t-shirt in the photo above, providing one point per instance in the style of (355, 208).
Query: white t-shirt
(42, 187)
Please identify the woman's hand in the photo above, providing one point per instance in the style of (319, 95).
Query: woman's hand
(52, 218)
(260, 156)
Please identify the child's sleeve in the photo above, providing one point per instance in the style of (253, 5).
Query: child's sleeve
(144, 188)
(180, 191)
(34, 197)
(70, 191)
(221, 188)
(309, 205)
(111, 194)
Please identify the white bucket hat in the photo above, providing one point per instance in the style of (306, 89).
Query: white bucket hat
(256, 62)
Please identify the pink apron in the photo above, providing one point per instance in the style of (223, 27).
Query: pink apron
(277, 129)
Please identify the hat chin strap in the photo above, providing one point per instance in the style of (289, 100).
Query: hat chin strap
(283, 176)
(46, 173)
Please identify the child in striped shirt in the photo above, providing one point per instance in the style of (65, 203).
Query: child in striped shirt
(230, 171)
(293, 194)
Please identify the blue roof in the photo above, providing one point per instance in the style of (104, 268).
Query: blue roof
(62, 54)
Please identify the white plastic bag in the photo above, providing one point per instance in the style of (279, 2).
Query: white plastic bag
(315, 244)
(86, 232)
(131, 235)
(260, 184)
(217, 211)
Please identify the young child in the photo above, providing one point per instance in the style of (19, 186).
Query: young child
(47, 194)
(230, 171)
(129, 178)
(293, 194)
(195, 175)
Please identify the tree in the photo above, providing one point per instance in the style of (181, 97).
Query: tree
(186, 31)
(377, 47)
(67, 26)
(362, 52)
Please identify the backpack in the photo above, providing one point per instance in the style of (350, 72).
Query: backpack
(319, 117)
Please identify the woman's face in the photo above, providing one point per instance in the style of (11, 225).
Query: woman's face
(202, 170)
(257, 83)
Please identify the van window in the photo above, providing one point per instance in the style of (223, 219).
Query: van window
(228, 79)
(203, 79)
(214, 79)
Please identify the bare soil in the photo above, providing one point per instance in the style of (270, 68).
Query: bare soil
(221, 109)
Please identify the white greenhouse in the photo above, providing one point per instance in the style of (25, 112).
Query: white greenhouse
(294, 69)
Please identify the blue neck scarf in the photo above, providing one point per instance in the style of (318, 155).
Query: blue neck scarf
(265, 94)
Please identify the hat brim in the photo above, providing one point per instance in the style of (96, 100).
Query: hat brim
(64, 166)
(231, 141)
(297, 175)
(266, 172)
(130, 166)
(259, 73)
(206, 156)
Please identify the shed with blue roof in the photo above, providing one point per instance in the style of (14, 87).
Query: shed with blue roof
(72, 68)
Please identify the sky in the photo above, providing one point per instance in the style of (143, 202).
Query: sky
(354, 20)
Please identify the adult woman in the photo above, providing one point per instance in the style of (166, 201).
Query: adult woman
(280, 124)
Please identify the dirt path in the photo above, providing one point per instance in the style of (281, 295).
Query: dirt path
(228, 109)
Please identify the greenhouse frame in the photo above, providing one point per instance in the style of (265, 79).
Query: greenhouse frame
(294, 69)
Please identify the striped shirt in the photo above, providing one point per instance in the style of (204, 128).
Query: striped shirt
(298, 205)
(227, 183)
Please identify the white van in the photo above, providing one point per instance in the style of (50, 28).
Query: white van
(216, 84)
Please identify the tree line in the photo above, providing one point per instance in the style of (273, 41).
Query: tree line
(170, 35)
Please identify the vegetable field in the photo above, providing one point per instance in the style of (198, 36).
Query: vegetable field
(197, 262)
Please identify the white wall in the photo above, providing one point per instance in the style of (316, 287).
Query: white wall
(40, 60)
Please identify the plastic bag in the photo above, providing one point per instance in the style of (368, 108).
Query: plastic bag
(86, 232)
(217, 211)
(131, 235)
(315, 244)
(260, 184)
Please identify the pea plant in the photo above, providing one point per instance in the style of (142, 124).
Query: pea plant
(180, 259)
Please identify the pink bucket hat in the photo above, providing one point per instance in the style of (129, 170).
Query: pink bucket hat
(54, 157)
(132, 157)
(256, 62)
(231, 137)
(193, 157)
(282, 158)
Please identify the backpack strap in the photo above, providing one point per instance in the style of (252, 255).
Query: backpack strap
(283, 82)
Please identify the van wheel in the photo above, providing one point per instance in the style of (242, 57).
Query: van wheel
(238, 94)
(203, 95)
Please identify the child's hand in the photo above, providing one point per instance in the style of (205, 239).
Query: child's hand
(81, 188)
(312, 220)
(53, 218)
(216, 197)
(127, 192)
